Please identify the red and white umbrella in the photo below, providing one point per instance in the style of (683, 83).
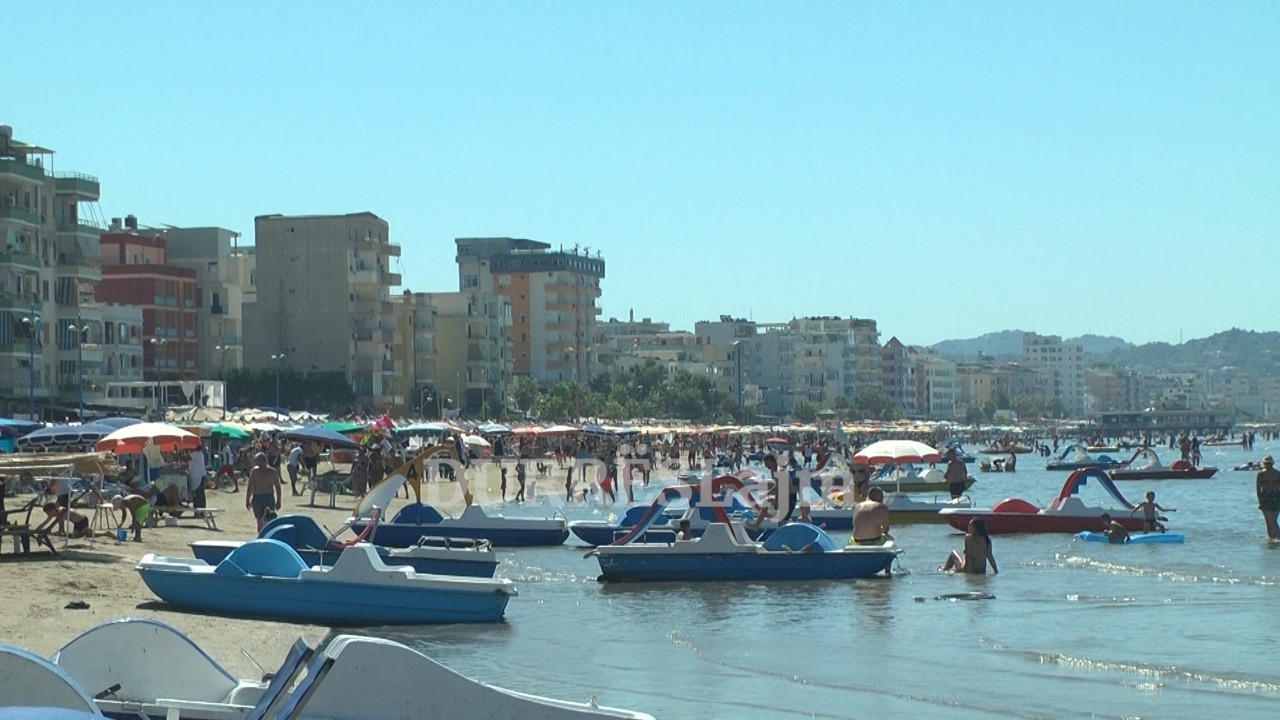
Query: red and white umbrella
(897, 452)
(130, 440)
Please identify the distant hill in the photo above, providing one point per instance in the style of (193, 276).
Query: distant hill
(1101, 344)
(1007, 345)
(1002, 345)
(1257, 353)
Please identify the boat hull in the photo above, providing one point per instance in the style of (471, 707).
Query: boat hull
(720, 567)
(403, 535)
(461, 563)
(1012, 523)
(327, 603)
(919, 486)
(1164, 474)
(593, 534)
(1071, 467)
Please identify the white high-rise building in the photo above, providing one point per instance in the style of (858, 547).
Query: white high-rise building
(1064, 364)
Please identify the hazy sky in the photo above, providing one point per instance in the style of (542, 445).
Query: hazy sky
(947, 169)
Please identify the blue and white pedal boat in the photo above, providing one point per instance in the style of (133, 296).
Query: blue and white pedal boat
(796, 551)
(267, 578)
(429, 555)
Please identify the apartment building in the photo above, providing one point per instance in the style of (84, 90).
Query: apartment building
(414, 354)
(473, 363)
(731, 351)
(553, 296)
(617, 339)
(322, 300)
(136, 271)
(1063, 364)
(835, 357)
(224, 272)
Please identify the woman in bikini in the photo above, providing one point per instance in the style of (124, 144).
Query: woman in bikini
(977, 552)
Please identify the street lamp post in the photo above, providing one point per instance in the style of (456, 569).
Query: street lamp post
(79, 330)
(158, 343)
(278, 358)
(574, 352)
(33, 326)
(222, 374)
(422, 401)
(737, 352)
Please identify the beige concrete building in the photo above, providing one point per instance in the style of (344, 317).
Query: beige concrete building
(51, 323)
(473, 349)
(553, 298)
(414, 355)
(224, 271)
(323, 300)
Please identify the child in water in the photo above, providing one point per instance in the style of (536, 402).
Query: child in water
(1150, 518)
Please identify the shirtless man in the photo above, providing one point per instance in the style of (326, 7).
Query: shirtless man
(136, 507)
(262, 491)
(956, 474)
(870, 519)
(1269, 496)
(1115, 532)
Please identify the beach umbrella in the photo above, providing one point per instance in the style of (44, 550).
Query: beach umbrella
(560, 429)
(475, 440)
(17, 428)
(130, 440)
(324, 436)
(775, 441)
(342, 427)
(896, 452)
(594, 430)
(55, 435)
(228, 431)
(528, 430)
(493, 429)
(626, 431)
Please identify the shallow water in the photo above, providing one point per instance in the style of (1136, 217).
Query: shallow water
(1075, 629)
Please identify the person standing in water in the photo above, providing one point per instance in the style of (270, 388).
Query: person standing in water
(1269, 496)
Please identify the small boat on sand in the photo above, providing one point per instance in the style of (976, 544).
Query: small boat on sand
(266, 578)
(166, 675)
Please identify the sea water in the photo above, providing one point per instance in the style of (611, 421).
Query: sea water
(1075, 629)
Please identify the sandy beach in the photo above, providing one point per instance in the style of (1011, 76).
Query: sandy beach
(100, 572)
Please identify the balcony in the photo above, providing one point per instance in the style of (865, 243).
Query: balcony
(21, 215)
(84, 186)
(80, 227)
(21, 169)
(15, 301)
(16, 256)
(81, 266)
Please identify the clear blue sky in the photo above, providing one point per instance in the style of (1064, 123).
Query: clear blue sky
(947, 169)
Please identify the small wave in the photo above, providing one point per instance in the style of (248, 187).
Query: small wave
(1157, 673)
(1079, 562)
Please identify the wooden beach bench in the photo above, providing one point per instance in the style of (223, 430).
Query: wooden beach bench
(208, 515)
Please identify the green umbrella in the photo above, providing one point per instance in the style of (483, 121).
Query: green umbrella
(342, 428)
(228, 432)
